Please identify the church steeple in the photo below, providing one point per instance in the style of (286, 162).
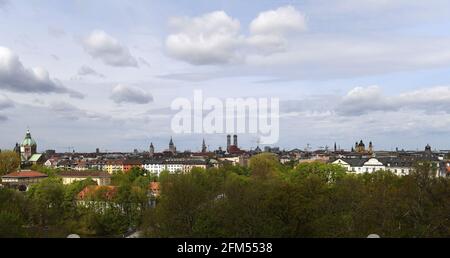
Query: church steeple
(204, 148)
(172, 147)
(152, 150)
(28, 146)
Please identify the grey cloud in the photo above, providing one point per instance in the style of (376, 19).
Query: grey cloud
(144, 62)
(86, 70)
(109, 50)
(5, 102)
(362, 100)
(192, 77)
(15, 77)
(68, 111)
(4, 4)
(55, 57)
(3, 118)
(163, 112)
(56, 32)
(128, 94)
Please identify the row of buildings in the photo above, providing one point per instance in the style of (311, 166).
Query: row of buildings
(100, 166)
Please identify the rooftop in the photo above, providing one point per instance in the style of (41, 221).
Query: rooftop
(25, 174)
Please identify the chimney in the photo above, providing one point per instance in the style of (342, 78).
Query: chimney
(235, 140)
(228, 141)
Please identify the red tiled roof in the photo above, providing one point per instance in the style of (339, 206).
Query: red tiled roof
(130, 162)
(154, 186)
(233, 149)
(25, 174)
(115, 162)
(88, 191)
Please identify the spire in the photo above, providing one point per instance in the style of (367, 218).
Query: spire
(152, 149)
(204, 148)
(172, 147)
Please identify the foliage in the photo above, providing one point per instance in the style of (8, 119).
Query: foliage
(51, 172)
(310, 200)
(266, 199)
(9, 162)
(12, 210)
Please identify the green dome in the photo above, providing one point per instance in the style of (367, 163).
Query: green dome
(28, 141)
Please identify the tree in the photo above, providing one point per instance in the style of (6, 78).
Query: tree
(51, 172)
(264, 166)
(48, 201)
(9, 162)
(329, 173)
(13, 207)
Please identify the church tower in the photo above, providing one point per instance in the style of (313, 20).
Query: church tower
(172, 147)
(204, 148)
(152, 150)
(28, 146)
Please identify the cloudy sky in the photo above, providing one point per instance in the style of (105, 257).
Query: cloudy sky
(103, 73)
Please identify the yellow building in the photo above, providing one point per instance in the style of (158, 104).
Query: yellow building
(101, 177)
(113, 166)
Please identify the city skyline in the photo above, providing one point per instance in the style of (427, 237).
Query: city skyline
(165, 147)
(344, 71)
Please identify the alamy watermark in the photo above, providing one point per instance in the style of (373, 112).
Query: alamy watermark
(211, 115)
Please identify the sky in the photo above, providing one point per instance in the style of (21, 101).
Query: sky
(102, 74)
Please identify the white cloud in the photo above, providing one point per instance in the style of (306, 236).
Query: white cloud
(109, 50)
(215, 38)
(209, 39)
(128, 94)
(15, 77)
(365, 100)
(286, 19)
(276, 46)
